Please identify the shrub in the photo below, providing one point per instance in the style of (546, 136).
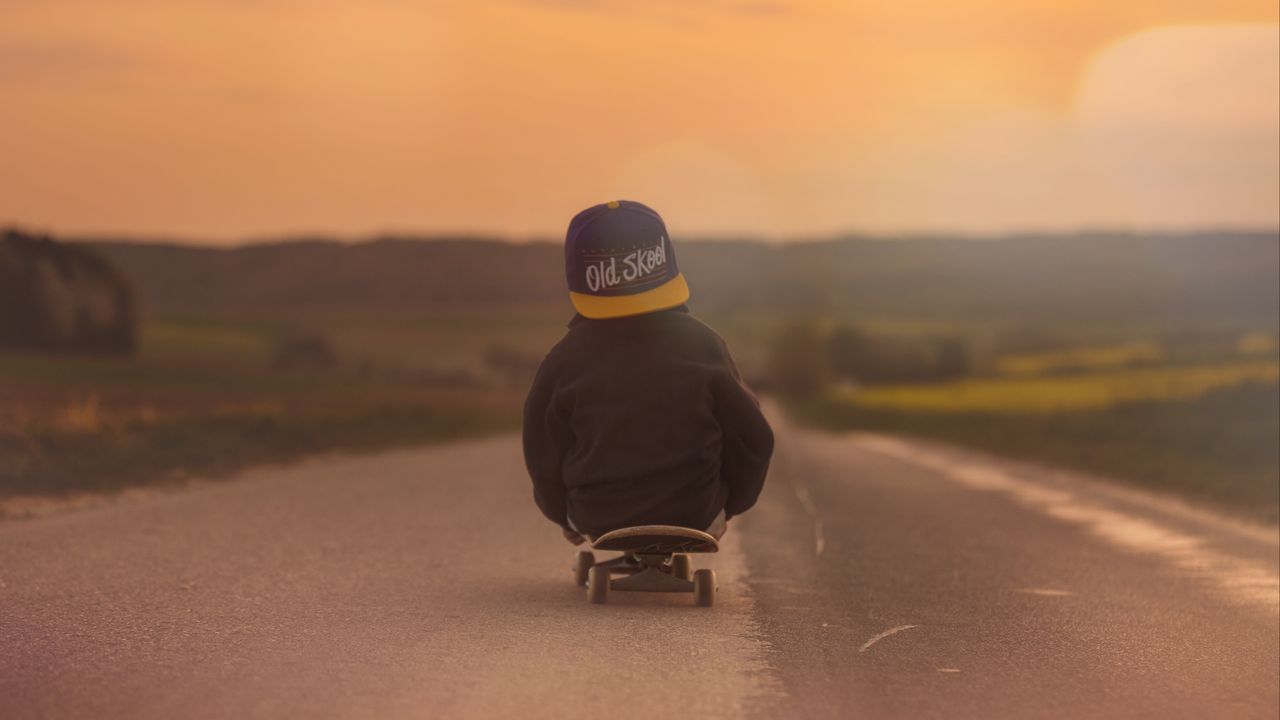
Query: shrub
(304, 352)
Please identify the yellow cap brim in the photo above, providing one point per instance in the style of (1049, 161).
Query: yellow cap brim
(670, 294)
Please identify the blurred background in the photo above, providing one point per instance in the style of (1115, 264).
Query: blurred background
(243, 232)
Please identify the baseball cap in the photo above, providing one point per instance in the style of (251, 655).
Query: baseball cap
(619, 261)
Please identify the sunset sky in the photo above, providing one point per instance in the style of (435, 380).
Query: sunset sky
(219, 120)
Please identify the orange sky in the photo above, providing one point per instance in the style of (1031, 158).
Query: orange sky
(221, 119)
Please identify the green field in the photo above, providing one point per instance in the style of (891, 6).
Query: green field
(403, 340)
(1023, 395)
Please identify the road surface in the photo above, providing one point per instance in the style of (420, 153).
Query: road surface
(877, 578)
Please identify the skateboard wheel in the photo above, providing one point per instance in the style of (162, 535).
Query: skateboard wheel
(681, 566)
(704, 587)
(598, 585)
(581, 566)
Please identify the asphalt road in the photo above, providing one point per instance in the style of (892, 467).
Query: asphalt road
(877, 578)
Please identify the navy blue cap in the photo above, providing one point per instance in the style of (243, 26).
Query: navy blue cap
(619, 261)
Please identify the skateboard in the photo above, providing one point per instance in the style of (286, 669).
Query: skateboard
(655, 558)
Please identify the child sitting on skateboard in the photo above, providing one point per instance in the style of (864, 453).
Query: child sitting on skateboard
(638, 416)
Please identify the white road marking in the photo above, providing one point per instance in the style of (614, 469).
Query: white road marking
(806, 501)
(1048, 592)
(949, 670)
(891, 631)
(1238, 580)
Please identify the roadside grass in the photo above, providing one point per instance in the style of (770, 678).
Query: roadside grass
(113, 455)
(1219, 445)
(201, 399)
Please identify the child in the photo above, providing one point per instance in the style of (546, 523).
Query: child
(638, 415)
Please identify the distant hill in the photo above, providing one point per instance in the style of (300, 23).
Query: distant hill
(331, 275)
(1223, 278)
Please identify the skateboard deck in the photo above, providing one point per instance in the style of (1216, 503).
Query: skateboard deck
(657, 540)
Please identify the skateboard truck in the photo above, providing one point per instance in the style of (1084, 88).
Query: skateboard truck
(655, 558)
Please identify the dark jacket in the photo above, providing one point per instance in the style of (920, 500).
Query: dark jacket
(643, 420)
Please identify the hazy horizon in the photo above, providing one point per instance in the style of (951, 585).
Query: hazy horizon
(304, 236)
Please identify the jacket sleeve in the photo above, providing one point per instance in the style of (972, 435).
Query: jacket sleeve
(746, 438)
(546, 437)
